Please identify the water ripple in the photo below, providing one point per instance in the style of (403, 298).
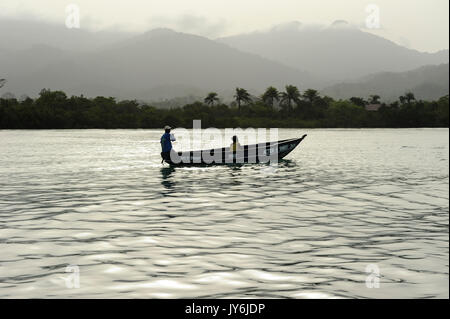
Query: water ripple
(306, 229)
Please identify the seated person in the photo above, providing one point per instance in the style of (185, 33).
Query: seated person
(235, 146)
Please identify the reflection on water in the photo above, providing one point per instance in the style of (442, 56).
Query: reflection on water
(166, 173)
(307, 228)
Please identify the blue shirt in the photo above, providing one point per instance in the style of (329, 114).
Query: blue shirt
(166, 144)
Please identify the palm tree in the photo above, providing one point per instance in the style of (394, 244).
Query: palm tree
(311, 95)
(374, 99)
(402, 99)
(2, 82)
(242, 96)
(358, 101)
(409, 97)
(270, 96)
(211, 98)
(292, 94)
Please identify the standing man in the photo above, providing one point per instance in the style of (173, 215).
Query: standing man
(166, 143)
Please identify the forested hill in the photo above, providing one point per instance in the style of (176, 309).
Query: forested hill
(427, 82)
(55, 110)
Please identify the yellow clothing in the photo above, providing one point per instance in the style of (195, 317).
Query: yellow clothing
(235, 146)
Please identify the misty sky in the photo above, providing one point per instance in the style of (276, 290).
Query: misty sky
(417, 24)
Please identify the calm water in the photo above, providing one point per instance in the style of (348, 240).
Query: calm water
(343, 200)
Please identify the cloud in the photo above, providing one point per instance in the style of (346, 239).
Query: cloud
(189, 23)
(404, 42)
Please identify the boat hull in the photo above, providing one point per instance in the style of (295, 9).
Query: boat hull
(248, 154)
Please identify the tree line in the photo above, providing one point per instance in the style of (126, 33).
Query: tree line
(287, 109)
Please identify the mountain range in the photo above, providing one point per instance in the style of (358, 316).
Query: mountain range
(163, 64)
(427, 83)
(339, 52)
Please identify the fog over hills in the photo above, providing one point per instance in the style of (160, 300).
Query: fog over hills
(163, 64)
(338, 52)
(427, 83)
(157, 64)
(20, 34)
